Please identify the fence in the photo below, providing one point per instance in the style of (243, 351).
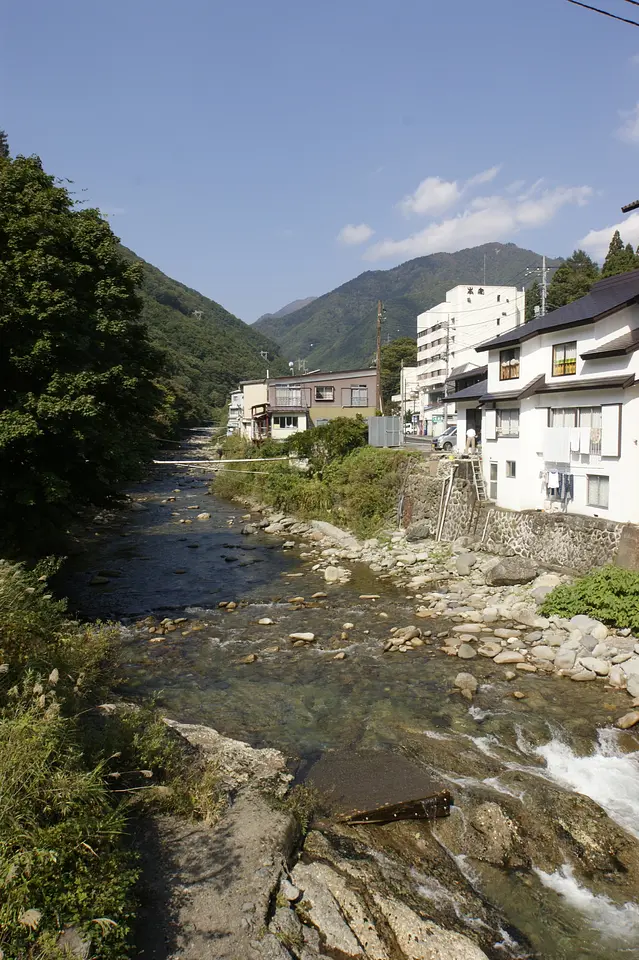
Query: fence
(384, 431)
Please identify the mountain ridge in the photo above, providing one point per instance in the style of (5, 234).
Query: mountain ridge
(286, 309)
(337, 329)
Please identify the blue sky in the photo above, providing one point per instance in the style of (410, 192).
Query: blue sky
(264, 151)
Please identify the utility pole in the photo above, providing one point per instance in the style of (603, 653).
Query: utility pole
(544, 286)
(378, 356)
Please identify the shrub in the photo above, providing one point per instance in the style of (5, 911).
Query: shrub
(333, 440)
(609, 594)
(366, 486)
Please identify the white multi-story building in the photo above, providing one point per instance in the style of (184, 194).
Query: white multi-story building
(560, 408)
(447, 335)
(236, 411)
(407, 400)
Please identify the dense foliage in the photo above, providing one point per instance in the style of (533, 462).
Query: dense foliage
(328, 442)
(395, 355)
(355, 485)
(206, 350)
(609, 594)
(572, 280)
(78, 402)
(337, 331)
(533, 300)
(71, 776)
(619, 259)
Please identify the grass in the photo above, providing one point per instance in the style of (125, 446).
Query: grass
(359, 490)
(609, 594)
(71, 776)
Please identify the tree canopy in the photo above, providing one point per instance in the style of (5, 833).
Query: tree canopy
(4, 145)
(572, 280)
(78, 400)
(620, 258)
(533, 300)
(397, 353)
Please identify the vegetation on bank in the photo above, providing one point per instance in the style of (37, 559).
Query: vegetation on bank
(609, 594)
(346, 481)
(72, 777)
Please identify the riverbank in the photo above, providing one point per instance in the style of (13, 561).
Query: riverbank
(493, 603)
(208, 615)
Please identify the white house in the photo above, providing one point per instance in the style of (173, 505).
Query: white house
(560, 407)
(448, 333)
(236, 410)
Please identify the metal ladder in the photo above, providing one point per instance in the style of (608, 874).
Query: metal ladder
(478, 479)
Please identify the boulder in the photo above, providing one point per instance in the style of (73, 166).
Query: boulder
(631, 667)
(600, 667)
(466, 652)
(334, 574)
(582, 674)
(511, 571)
(420, 530)
(489, 649)
(539, 594)
(466, 681)
(408, 559)
(509, 656)
(565, 659)
(543, 652)
(632, 685)
(584, 623)
(616, 677)
(248, 529)
(628, 720)
(464, 563)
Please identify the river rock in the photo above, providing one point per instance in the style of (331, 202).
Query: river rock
(600, 632)
(543, 652)
(489, 649)
(539, 594)
(422, 939)
(326, 901)
(628, 720)
(466, 681)
(464, 563)
(468, 628)
(584, 623)
(334, 574)
(408, 559)
(420, 530)
(631, 667)
(632, 685)
(582, 675)
(565, 659)
(466, 652)
(554, 638)
(265, 621)
(204, 516)
(490, 614)
(616, 677)
(509, 656)
(505, 633)
(511, 571)
(274, 528)
(304, 637)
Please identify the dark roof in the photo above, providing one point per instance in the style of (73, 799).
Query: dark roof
(606, 297)
(469, 393)
(626, 343)
(589, 383)
(456, 374)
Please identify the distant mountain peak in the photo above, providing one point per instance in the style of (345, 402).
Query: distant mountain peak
(289, 308)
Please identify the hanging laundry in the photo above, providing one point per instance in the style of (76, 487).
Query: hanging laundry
(553, 481)
(585, 439)
(575, 440)
(570, 487)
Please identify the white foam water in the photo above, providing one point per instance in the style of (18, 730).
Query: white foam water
(613, 921)
(608, 776)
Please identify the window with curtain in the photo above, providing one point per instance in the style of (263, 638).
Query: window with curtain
(359, 396)
(508, 423)
(598, 488)
(564, 359)
(324, 393)
(509, 364)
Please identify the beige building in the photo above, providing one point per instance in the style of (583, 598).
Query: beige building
(280, 406)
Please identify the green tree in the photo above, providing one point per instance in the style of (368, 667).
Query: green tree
(331, 441)
(620, 258)
(397, 353)
(4, 145)
(77, 398)
(533, 299)
(572, 280)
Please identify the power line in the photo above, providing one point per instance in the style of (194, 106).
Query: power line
(605, 13)
(635, 3)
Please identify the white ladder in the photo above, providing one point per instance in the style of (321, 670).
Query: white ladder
(478, 479)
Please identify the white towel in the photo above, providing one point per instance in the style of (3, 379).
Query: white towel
(553, 480)
(575, 440)
(585, 439)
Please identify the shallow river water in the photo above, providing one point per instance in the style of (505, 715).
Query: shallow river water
(574, 892)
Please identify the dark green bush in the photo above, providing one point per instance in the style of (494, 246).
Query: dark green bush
(333, 440)
(609, 594)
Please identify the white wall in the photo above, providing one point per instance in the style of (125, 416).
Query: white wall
(282, 433)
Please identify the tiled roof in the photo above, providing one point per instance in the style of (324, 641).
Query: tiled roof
(606, 297)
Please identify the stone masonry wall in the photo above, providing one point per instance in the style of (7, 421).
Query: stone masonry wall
(567, 541)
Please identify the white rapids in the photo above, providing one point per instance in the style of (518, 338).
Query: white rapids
(613, 921)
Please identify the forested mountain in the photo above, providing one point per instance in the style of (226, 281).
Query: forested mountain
(337, 330)
(288, 308)
(207, 350)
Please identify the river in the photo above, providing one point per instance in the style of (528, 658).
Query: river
(545, 827)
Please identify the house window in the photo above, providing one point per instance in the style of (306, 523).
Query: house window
(359, 396)
(492, 492)
(563, 417)
(324, 393)
(511, 468)
(288, 396)
(564, 359)
(598, 491)
(508, 423)
(285, 423)
(509, 364)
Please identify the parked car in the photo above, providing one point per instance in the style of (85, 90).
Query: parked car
(447, 440)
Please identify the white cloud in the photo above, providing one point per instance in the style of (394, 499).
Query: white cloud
(485, 219)
(597, 241)
(351, 235)
(629, 129)
(434, 195)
